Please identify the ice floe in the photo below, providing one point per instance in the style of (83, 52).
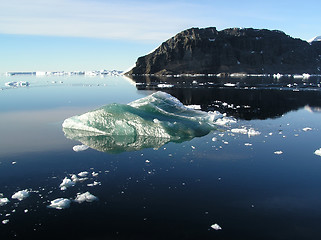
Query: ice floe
(318, 152)
(3, 201)
(60, 203)
(83, 174)
(5, 221)
(85, 197)
(79, 148)
(66, 183)
(20, 195)
(250, 132)
(307, 129)
(216, 227)
(278, 152)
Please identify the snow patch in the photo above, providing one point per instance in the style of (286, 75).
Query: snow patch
(79, 148)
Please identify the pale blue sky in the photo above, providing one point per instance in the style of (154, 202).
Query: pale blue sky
(56, 35)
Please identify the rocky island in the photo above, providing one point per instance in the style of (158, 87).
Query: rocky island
(234, 50)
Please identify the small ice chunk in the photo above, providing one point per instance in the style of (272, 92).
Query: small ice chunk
(5, 221)
(307, 129)
(83, 174)
(252, 132)
(85, 197)
(147, 161)
(93, 184)
(248, 144)
(214, 139)
(239, 130)
(216, 227)
(66, 183)
(13, 163)
(278, 152)
(79, 148)
(21, 195)
(60, 203)
(26, 210)
(3, 201)
(318, 152)
(94, 174)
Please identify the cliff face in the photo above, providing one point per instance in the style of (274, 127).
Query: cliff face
(231, 50)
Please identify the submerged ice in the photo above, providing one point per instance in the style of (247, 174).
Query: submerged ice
(151, 121)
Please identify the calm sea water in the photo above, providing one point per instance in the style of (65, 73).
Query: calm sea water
(266, 186)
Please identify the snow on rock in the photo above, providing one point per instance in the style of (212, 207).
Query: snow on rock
(85, 197)
(66, 183)
(80, 148)
(216, 227)
(21, 195)
(60, 203)
(318, 152)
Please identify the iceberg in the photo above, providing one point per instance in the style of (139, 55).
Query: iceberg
(60, 203)
(149, 122)
(85, 197)
(20, 195)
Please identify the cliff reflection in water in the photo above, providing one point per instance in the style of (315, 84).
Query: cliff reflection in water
(246, 98)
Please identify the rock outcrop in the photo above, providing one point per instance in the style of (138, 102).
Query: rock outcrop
(233, 50)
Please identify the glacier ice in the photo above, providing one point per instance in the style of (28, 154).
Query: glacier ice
(149, 122)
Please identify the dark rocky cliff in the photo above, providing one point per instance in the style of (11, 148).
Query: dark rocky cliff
(233, 50)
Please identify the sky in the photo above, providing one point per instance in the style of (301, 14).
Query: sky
(74, 35)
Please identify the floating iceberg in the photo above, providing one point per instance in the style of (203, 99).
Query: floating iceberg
(85, 197)
(60, 203)
(148, 122)
(21, 195)
(318, 152)
(216, 227)
(66, 183)
(3, 201)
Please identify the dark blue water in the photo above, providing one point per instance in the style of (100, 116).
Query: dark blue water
(176, 191)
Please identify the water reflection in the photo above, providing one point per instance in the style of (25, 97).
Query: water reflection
(246, 98)
(114, 144)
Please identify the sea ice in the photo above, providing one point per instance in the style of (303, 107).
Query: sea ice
(216, 227)
(318, 152)
(307, 129)
(93, 184)
(60, 203)
(79, 148)
(5, 221)
(278, 152)
(85, 197)
(66, 183)
(3, 201)
(21, 195)
(83, 174)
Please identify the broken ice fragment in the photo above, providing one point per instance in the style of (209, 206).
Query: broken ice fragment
(278, 152)
(85, 197)
(216, 227)
(3, 201)
(318, 152)
(21, 195)
(307, 129)
(5, 221)
(60, 203)
(66, 183)
(82, 174)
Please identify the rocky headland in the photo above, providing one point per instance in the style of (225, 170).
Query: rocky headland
(233, 50)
